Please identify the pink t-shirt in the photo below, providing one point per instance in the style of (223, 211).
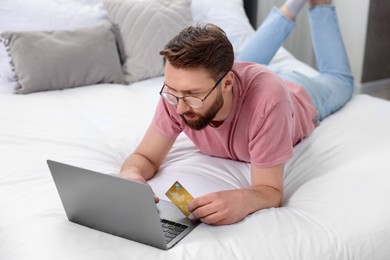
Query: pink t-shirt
(268, 117)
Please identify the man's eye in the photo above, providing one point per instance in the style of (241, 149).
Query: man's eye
(171, 91)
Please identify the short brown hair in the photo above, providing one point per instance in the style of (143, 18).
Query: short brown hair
(204, 46)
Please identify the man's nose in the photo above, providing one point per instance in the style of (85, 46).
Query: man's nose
(182, 107)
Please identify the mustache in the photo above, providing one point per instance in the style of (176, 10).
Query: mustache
(188, 113)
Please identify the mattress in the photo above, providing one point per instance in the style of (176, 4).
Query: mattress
(337, 185)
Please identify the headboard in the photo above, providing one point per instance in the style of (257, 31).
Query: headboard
(251, 11)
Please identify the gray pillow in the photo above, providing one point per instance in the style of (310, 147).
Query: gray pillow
(145, 27)
(48, 60)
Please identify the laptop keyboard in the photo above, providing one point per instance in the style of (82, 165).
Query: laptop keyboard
(171, 229)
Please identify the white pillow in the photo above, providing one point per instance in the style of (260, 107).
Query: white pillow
(22, 15)
(146, 26)
(229, 15)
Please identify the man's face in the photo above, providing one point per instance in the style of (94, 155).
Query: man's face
(194, 82)
(198, 120)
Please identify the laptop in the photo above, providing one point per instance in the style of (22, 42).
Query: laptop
(119, 207)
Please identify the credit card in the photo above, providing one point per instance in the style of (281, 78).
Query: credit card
(180, 197)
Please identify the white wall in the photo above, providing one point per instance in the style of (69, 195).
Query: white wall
(353, 19)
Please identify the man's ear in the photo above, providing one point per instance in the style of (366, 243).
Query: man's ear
(228, 81)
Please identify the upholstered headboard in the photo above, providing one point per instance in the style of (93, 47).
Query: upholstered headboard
(251, 11)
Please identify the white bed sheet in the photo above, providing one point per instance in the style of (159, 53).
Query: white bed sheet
(337, 185)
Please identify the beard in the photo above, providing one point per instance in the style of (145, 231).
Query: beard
(205, 120)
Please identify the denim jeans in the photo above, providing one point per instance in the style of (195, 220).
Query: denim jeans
(331, 89)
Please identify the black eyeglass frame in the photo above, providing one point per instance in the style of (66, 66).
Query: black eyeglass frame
(169, 101)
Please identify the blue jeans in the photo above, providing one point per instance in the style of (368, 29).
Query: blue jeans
(331, 89)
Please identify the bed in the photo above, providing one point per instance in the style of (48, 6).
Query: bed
(337, 184)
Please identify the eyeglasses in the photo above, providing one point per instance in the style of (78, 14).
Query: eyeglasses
(192, 101)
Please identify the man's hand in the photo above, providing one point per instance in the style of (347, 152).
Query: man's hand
(221, 208)
(227, 207)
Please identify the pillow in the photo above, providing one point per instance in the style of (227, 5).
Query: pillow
(48, 60)
(38, 15)
(146, 26)
(229, 15)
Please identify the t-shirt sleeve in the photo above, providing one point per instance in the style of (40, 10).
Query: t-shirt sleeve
(272, 142)
(166, 121)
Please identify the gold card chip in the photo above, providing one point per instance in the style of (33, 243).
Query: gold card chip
(180, 197)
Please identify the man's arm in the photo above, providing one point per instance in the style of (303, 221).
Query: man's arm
(267, 186)
(145, 161)
(227, 207)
